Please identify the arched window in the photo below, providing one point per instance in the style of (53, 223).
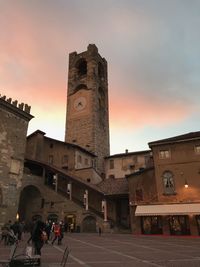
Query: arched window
(168, 183)
(80, 87)
(101, 98)
(82, 67)
(100, 70)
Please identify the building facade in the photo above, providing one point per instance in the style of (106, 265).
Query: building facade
(14, 119)
(171, 195)
(119, 165)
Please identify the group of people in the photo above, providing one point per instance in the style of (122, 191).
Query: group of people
(12, 232)
(40, 233)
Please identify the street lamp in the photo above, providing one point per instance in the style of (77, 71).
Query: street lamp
(186, 184)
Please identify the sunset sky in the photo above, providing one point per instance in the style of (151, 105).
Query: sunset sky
(153, 52)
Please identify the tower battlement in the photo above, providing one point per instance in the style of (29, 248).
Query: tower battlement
(24, 107)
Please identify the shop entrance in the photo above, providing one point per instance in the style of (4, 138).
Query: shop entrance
(70, 223)
(151, 225)
(179, 225)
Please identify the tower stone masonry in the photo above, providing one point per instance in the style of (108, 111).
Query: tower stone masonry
(87, 118)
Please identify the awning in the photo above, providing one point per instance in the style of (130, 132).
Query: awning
(168, 209)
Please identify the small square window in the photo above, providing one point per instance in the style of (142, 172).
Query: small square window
(197, 149)
(86, 162)
(111, 164)
(164, 154)
(65, 159)
(79, 159)
(15, 166)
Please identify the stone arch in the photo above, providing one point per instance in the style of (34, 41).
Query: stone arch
(29, 203)
(36, 217)
(52, 217)
(89, 224)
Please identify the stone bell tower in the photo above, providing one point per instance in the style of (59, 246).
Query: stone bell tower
(87, 119)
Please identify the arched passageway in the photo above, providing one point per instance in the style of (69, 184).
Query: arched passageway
(89, 224)
(29, 203)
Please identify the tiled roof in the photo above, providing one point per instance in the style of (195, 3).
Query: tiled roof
(128, 154)
(61, 142)
(141, 171)
(113, 186)
(178, 138)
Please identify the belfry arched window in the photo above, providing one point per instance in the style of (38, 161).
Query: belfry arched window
(82, 67)
(100, 70)
(168, 183)
(101, 98)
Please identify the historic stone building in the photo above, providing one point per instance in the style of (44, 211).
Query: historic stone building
(119, 165)
(154, 191)
(14, 119)
(74, 170)
(166, 199)
(87, 121)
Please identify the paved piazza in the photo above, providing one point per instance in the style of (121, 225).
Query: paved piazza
(114, 250)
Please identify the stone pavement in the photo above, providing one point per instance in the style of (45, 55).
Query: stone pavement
(117, 250)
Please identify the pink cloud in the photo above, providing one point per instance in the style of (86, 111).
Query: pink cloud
(139, 111)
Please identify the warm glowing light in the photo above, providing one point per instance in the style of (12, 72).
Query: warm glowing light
(186, 184)
(17, 216)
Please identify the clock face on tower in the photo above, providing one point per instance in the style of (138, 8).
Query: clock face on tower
(80, 103)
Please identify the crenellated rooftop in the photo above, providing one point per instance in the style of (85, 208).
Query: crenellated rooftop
(26, 108)
(20, 108)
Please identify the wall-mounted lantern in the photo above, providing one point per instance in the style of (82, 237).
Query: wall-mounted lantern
(186, 184)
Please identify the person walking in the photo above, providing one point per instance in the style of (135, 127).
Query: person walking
(37, 239)
(62, 230)
(56, 233)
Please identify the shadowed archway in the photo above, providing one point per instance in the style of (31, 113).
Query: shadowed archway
(29, 203)
(89, 224)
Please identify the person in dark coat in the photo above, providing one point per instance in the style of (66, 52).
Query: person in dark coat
(37, 236)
